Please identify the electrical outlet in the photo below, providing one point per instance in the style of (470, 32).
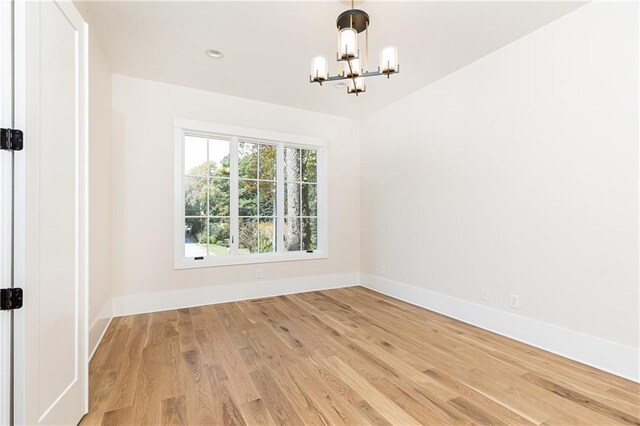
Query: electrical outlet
(258, 273)
(484, 294)
(383, 270)
(515, 301)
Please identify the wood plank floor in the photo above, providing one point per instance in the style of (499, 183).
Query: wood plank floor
(333, 357)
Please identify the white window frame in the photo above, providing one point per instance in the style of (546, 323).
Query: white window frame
(184, 127)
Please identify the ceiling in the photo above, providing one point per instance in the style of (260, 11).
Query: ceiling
(268, 45)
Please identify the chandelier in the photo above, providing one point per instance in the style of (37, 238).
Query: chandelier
(350, 24)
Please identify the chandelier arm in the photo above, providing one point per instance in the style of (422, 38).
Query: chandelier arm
(366, 74)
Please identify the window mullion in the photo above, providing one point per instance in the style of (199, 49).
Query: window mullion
(208, 212)
(280, 198)
(300, 198)
(321, 187)
(181, 168)
(233, 174)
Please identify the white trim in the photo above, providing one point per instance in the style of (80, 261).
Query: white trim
(605, 355)
(6, 205)
(167, 300)
(233, 200)
(245, 259)
(19, 207)
(184, 127)
(83, 207)
(99, 327)
(280, 199)
(322, 179)
(178, 209)
(265, 135)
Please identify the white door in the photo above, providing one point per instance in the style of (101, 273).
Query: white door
(51, 213)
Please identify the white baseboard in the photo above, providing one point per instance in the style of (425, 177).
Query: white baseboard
(99, 327)
(605, 355)
(162, 301)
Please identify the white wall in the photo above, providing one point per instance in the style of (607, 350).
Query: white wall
(142, 208)
(517, 174)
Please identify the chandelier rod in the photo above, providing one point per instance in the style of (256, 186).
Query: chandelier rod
(353, 78)
(366, 47)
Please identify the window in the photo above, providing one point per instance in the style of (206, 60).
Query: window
(246, 196)
(301, 201)
(257, 208)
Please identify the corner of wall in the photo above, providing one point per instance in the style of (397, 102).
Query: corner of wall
(100, 129)
(99, 326)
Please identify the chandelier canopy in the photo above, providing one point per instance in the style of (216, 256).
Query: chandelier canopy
(351, 66)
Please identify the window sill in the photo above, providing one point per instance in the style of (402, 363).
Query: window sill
(214, 261)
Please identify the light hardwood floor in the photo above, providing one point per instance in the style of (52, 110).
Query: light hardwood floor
(340, 356)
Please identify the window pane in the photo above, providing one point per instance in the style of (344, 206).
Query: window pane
(267, 198)
(267, 236)
(219, 237)
(268, 156)
(195, 156)
(292, 234)
(248, 198)
(248, 235)
(309, 199)
(195, 237)
(292, 199)
(195, 196)
(219, 197)
(247, 160)
(218, 157)
(309, 233)
(309, 165)
(292, 164)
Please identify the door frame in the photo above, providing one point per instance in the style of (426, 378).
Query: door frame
(6, 211)
(19, 189)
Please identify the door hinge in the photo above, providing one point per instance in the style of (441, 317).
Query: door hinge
(11, 139)
(10, 298)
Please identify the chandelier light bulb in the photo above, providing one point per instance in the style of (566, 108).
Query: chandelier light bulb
(355, 69)
(319, 68)
(347, 43)
(357, 86)
(389, 59)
